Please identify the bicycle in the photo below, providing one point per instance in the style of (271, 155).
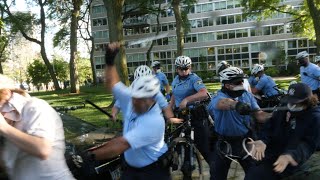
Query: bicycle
(187, 157)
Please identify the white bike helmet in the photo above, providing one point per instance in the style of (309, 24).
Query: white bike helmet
(257, 68)
(145, 87)
(302, 54)
(142, 70)
(183, 61)
(231, 73)
(222, 65)
(317, 59)
(155, 63)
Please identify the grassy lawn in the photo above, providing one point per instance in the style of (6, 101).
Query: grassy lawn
(99, 96)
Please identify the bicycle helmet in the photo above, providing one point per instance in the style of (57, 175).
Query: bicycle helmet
(257, 68)
(142, 70)
(145, 87)
(302, 54)
(230, 74)
(183, 61)
(222, 65)
(155, 64)
(317, 59)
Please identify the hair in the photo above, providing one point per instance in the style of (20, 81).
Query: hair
(16, 90)
(310, 102)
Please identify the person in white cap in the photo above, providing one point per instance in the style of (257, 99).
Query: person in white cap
(309, 72)
(33, 134)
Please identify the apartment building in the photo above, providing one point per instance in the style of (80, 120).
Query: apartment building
(219, 31)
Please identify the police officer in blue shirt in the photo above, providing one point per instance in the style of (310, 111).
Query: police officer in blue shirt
(231, 108)
(253, 81)
(142, 141)
(188, 87)
(144, 70)
(309, 72)
(165, 88)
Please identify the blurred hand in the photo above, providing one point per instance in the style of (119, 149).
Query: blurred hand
(243, 108)
(262, 116)
(175, 120)
(258, 150)
(112, 50)
(183, 104)
(114, 116)
(3, 123)
(282, 163)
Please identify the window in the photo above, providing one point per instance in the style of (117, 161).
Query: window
(198, 8)
(237, 3)
(205, 22)
(230, 4)
(222, 20)
(266, 30)
(98, 9)
(221, 50)
(292, 44)
(238, 18)
(302, 43)
(229, 49)
(230, 19)
(277, 29)
(199, 23)
(219, 35)
(236, 49)
(210, 51)
(244, 48)
(220, 5)
(172, 26)
(164, 27)
(255, 47)
(99, 22)
(232, 34)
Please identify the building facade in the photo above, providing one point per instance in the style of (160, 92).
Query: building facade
(219, 31)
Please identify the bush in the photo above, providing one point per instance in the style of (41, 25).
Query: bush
(272, 71)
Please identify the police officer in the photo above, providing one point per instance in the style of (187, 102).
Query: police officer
(231, 108)
(165, 88)
(291, 136)
(142, 141)
(252, 79)
(309, 72)
(141, 71)
(317, 60)
(188, 87)
(223, 65)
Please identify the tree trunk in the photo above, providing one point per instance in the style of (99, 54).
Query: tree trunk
(1, 70)
(93, 69)
(114, 13)
(74, 84)
(315, 14)
(179, 26)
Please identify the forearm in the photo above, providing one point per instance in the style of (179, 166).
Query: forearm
(111, 77)
(167, 89)
(226, 104)
(111, 149)
(201, 94)
(172, 102)
(254, 90)
(36, 146)
(301, 153)
(168, 113)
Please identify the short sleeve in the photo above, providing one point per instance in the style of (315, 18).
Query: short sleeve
(117, 104)
(198, 84)
(123, 95)
(165, 80)
(261, 83)
(161, 100)
(253, 102)
(40, 120)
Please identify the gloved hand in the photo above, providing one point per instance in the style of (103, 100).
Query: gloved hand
(168, 97)
(243, 108)
(112, 50)
(83, 159)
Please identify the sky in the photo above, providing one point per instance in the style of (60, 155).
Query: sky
(22, 6)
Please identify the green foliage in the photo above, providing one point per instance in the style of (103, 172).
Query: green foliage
(272, 71)
(84, 69)
(38, 72)
(60, 38)
(22, 20)
(61, 68)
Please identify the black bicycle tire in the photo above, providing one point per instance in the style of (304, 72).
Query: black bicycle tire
(197, 153)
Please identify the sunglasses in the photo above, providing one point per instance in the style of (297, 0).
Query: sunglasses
(237, 82)
(183, 68)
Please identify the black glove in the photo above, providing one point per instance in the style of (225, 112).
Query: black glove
(111, 52)
(243, 108)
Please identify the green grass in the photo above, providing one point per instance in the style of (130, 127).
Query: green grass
(102, 98)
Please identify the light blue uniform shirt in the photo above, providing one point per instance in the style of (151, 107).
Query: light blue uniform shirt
(267, 86)
(252, 81)
(230, 122)
(187, 87)
(144, 132)
(163, 80)
(312, 77)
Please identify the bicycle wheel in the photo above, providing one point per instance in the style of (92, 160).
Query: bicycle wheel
(189, 167)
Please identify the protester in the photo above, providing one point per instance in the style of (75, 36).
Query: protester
(291, 136)
(309, 72)
(165, 87)
(142, 141)
(34, 138)
(231, 109)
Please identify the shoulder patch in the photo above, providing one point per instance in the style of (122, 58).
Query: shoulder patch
(199, 82)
